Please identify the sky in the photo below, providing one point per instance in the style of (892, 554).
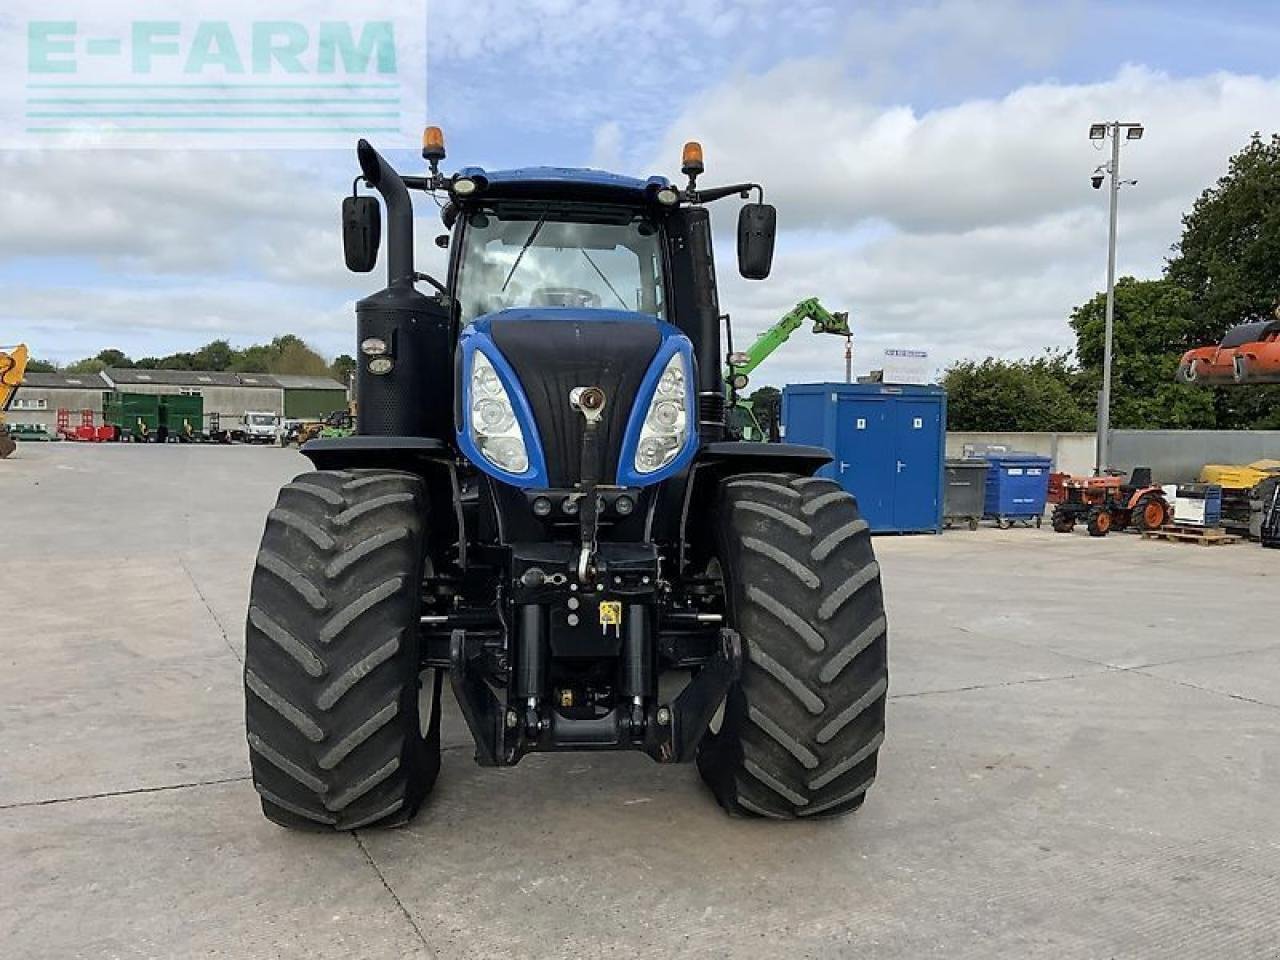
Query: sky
(929, 162)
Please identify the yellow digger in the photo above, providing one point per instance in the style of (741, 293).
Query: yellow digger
(13, 364)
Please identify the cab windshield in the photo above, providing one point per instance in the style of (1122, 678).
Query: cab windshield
(543, 256)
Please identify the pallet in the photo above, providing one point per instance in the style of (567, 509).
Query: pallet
(1207, 536)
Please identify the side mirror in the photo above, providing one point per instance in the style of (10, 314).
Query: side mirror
(361, 233)
(757, 224)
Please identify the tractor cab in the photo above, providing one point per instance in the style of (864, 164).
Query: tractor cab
(512, 251)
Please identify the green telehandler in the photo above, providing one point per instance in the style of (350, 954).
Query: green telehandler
(737, 375)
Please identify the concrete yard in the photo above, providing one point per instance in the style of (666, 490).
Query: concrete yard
(1083, 761)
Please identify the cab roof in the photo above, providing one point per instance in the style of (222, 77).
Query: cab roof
(563, 183)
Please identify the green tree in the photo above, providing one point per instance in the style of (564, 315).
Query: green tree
(253, 359)
(1044, 393)
(1154, 323)
(286, 340)
(110, 357)
(41, 366)
(1228, 259)
(343, 368)
(295, 357)
(215, 355)
(766, 404)
(178, 361)
(114, 358)
(287, 353)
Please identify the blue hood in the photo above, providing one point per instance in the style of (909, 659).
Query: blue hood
(541, 354)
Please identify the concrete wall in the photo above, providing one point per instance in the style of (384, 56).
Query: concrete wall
(1070, 452)
(1175, 456)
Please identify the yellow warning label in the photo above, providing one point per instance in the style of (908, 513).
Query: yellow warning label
(610, 613)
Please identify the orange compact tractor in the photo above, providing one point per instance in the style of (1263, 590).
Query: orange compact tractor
(1107, 503)
(1249, 353)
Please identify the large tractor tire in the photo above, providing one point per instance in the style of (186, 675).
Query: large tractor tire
(1149, 513)
(1099, 523)
(332, 704)
(800, 733)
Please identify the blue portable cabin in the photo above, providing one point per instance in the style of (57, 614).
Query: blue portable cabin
(888, 445)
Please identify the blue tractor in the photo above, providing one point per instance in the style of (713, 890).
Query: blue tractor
(542, 502)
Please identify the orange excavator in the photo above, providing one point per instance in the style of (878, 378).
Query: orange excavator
(13, 364)
(1248, 353)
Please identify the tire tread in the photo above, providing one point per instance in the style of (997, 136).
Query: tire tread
(331, 653)
(802, 730)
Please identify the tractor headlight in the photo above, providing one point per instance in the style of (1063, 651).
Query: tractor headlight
(666, 423)
(492, 420)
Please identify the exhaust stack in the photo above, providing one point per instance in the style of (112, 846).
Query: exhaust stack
(383, 178)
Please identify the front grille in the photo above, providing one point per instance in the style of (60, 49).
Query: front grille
(552, 355)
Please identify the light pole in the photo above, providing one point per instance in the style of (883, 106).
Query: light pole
(1100, 131)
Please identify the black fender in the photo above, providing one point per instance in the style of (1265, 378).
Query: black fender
(434, 460)
(376, 452)
(714, 464)
(742, 456)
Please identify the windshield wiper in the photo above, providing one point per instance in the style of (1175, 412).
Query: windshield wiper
(605, 279)
(533, 235)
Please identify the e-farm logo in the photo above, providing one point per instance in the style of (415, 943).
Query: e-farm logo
(267, 73)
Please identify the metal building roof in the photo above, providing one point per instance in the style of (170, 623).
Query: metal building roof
(65, 381)
(135, 376)
(138, 377)
(295, 382)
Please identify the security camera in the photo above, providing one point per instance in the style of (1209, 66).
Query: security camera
(1096, 180)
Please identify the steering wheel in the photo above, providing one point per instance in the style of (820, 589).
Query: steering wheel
(564, 297)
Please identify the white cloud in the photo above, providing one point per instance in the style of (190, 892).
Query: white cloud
(943, 47)
(606, 146)
(554, 68)
(968, 228)
(67, 322)
(985, 231)
(155, 251)
(160, 211)
(831, 159)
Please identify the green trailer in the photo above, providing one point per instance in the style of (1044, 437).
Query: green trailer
(181, 418)
(135, 416)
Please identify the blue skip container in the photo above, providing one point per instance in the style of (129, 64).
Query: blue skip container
(1017, 487)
